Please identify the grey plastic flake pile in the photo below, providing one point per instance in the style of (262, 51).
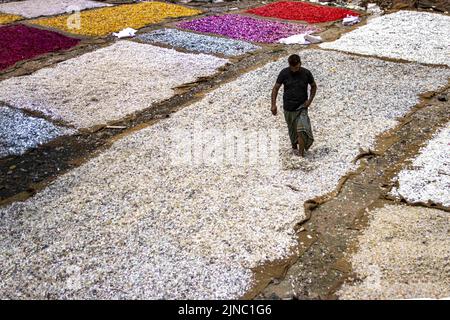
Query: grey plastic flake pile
(198, 43)
(19, 132)
(175, 210)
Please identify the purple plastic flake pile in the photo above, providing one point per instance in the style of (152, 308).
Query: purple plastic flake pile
(246, 28)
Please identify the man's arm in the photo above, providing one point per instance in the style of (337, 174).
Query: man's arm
(275, 90)
(312, 94)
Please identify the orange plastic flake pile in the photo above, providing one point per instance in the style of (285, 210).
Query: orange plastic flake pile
(8, 18)
(100, 22)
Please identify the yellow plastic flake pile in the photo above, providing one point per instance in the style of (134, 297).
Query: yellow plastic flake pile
(7, 18)
(100, 22)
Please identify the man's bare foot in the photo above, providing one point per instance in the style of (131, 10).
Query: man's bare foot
(298, 153)
(301, 146)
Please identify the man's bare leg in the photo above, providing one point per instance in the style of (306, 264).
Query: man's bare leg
(301, 146)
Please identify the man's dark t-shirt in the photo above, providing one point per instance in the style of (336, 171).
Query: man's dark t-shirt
(295, 87)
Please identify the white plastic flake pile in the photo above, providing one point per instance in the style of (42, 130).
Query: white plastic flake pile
(186, 207)
(414, 36)
(107, 84)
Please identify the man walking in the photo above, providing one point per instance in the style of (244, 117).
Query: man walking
(296, 103)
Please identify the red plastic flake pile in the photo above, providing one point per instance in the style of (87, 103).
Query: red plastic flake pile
(302, 11)
(20, 42)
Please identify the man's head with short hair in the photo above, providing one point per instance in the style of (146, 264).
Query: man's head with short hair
(294, 62)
